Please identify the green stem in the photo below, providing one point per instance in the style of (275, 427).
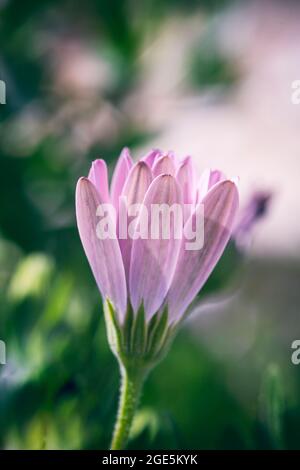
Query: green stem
(131, 386)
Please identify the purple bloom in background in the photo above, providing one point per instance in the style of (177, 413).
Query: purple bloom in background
(155, 273)
(256, 208)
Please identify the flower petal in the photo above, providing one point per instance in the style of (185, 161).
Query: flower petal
(164, 165)
(151, 157)
(120, 175)
(195, 266)
(185, 178)
(207, 180)
(104, 256)
(153, 261)
(98, 175)
(134, 190)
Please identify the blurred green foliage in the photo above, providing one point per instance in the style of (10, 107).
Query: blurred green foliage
(59, 387)
(209, 67)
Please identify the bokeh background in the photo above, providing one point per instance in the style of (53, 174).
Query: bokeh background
(208, 78)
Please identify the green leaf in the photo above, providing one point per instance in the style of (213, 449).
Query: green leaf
(272, 404)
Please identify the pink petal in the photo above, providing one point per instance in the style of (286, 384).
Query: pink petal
(164, 165)
(120, 175)
(134, 190)
(195, 266)
(207, 180)
(153, 261)
(98, 175)
(104, 256)
(151, 157)
(185, 178)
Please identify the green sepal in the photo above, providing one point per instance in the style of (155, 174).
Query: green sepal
(114, 333)
(171, 332)
(157, 333)
(139, 332)
(137, 343)
(127, 329)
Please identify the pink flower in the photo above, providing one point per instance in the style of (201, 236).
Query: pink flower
(256, 208)
(155, 273)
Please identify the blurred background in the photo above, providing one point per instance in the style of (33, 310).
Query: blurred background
(208, 78)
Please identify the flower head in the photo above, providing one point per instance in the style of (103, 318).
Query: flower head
(148, 282)
(256, 209)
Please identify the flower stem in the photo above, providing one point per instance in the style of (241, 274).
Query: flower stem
(131, 386)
